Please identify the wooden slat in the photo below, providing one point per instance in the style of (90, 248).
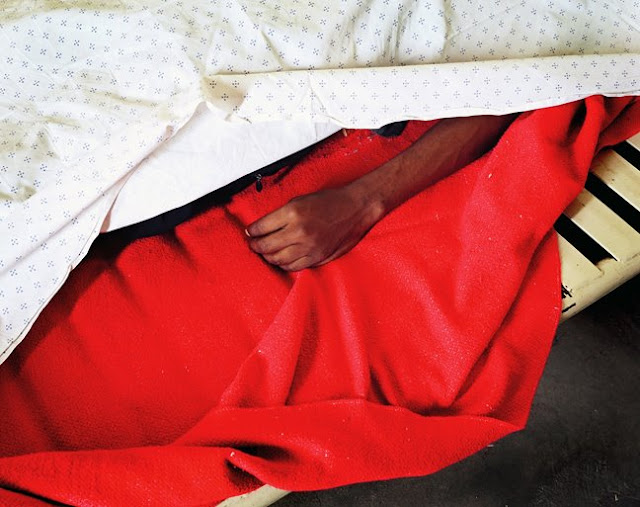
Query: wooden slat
(619, 175)
(577, 270)
(604, 226)
(614, 274)
(261, 497)
(635, 141)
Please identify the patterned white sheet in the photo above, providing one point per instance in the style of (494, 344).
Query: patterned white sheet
(89, 88)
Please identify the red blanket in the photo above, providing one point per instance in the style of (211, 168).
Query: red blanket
(182, 369)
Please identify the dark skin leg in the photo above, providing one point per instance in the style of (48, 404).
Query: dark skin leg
(317, 228)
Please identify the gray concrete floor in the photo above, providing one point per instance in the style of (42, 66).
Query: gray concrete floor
(582, 444)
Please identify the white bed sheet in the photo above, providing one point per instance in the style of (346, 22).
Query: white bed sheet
(205, 155)
(89, 89)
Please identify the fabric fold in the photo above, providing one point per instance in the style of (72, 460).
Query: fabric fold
(182, 369)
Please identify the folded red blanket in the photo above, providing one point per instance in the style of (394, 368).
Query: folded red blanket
(182, 369)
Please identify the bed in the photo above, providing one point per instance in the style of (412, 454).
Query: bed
(118, 383)
(171, 367)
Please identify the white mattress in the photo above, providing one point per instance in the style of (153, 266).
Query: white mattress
(89, 89)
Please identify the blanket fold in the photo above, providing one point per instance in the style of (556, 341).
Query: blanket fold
(182, 369)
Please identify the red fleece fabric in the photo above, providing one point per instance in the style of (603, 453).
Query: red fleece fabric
(182, 369)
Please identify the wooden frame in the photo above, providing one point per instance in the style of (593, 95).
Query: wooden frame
(584, 281)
